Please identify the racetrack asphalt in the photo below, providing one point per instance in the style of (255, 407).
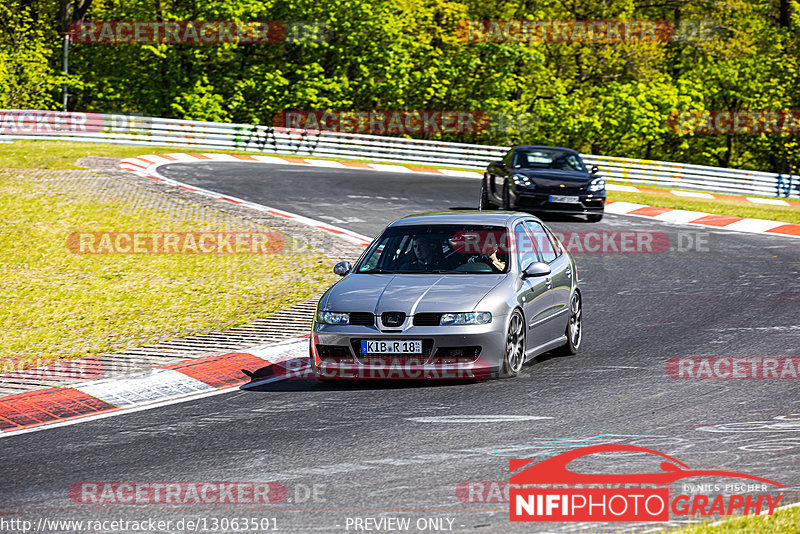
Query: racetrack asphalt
(381, 450)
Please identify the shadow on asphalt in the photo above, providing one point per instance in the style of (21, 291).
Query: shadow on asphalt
(312, 384)
(295, 375)
(544, 357)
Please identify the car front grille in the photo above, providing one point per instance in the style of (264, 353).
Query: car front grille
(541, 202)
(457, 353)
(393, 319)
(427, 319)
(389, 360)
(362, 319)
(334, 352)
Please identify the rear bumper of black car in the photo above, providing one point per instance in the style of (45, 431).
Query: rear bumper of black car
(589, 204)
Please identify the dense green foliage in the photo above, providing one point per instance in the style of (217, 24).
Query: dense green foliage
(603, 98)
(26, 49)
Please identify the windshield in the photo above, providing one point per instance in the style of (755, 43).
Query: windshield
(547, 159)
(431, 249)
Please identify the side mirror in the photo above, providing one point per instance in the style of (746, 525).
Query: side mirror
(342, 268)
(500, 164)
(536, 268)
(593, 170)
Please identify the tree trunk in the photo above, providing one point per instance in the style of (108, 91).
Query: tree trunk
(784, 19)
(70, 11)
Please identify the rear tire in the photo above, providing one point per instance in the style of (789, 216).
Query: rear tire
(515, 346)
(595, 217)
(574, 331)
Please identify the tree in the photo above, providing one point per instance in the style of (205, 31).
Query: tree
(26, 78)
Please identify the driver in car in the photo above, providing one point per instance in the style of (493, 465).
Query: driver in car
(427, 255)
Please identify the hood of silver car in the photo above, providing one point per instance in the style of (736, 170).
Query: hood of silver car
(410, 293)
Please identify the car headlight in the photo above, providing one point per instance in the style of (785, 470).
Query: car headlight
(523, 179)
(598, 184)
(465, 318)
(327, 317)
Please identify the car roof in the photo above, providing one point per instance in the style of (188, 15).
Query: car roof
(498, 218)
(547, 148)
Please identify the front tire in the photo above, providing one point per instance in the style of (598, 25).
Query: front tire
(574, 331)
(507, 204)
(484, 203)
(515, 346)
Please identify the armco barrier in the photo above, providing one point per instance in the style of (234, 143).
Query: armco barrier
(152, 131)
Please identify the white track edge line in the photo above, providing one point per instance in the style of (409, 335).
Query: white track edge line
(355, 237)
(124, 411)
(153, 404)
(714, 228)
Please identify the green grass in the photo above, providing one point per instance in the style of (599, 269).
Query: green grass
(785, 521)
(58, 155)
(735, 208)
(58, 305)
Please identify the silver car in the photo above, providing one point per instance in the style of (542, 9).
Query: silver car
(449, 295)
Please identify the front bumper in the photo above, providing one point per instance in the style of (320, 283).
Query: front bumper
(591, 203)
(448, 352)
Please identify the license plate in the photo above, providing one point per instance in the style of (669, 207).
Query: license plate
(390, 346)
(564, 199)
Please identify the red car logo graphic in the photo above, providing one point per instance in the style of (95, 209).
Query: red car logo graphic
(554, 470)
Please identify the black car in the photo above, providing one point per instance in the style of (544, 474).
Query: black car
(544, 179)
